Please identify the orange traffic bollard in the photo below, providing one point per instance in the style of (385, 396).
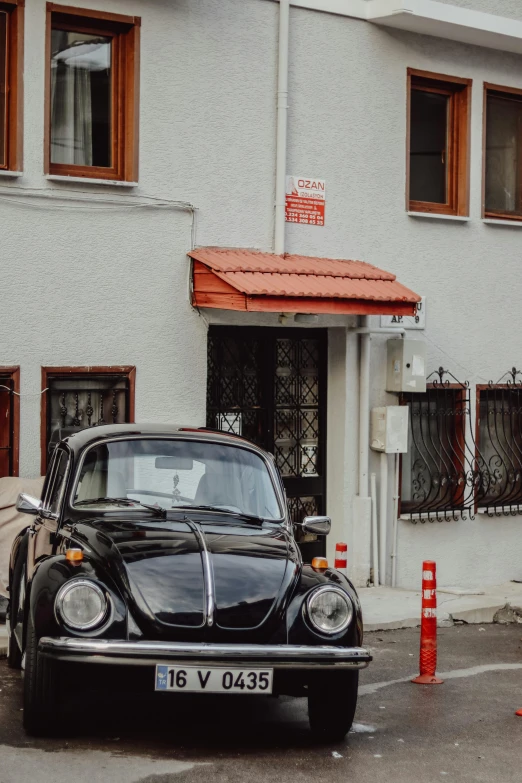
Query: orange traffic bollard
(428, 640)
(341, 557)
(519, 713)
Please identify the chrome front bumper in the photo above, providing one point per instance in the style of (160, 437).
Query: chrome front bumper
(149, 653)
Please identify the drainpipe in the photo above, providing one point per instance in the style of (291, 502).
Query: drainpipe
(364, 408)
(363, 501)
(282, 125)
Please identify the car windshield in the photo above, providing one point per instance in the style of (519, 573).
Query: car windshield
(175, 473)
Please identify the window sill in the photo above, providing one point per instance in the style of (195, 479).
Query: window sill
(437, 216)
(517, 508)
(112, 183)
(431, 515)
(501, 222)
(11, 174)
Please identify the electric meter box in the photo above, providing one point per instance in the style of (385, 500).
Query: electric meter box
(406, 370)
(389, 429)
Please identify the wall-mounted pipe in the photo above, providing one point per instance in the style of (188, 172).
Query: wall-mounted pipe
(375, 540)
(395, 519)
(364, 410)
(383, 516)
(282, 126)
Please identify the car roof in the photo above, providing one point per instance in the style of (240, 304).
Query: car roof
(79, 440)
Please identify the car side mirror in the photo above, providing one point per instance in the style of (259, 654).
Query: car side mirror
(27, 504)
(318, 525)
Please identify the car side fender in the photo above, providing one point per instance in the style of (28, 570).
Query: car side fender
(18, 549)
(300, 631)
(49, 575)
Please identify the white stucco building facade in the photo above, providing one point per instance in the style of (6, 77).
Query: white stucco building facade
(96, 274)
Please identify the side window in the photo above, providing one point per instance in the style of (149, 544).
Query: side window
(438, 143)
(57, 483)
(503, 186)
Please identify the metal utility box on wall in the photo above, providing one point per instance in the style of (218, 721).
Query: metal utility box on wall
(406, 366)
(389, 429)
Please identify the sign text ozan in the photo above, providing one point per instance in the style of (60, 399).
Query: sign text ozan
(305, 200)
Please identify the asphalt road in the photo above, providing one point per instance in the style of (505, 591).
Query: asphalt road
(463, 731)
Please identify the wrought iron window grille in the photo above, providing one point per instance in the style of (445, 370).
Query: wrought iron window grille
(80, 401)
(440, 472)
(499, 452)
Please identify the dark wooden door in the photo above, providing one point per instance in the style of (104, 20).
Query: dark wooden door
(269, 385)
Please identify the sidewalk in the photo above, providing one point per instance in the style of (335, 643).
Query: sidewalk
(387, 608)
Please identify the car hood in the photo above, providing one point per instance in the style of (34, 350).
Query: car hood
(160, 567)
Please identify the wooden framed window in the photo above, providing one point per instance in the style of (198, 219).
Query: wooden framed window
(434, 471)
(79, 397)
(438, 143)
(11, 83)
(499, 452)
(502, 152)
(9, 420)
(92, 94)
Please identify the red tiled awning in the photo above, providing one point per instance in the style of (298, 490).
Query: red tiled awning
(236, 279)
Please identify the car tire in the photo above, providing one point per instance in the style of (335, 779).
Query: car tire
(14, 654)
(332, 699)
(42, 717)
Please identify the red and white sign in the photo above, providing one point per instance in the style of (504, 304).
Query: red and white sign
(305, 201)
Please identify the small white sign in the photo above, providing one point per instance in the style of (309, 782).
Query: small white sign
(305, 200)
(417, 321)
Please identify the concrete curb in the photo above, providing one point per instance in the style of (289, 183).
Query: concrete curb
(3, 641)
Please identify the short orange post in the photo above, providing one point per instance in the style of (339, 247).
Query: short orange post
(341, 557)
(519, 713)
(428, 640)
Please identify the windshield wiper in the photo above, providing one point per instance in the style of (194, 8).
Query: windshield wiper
(157, 510)
(224, 510)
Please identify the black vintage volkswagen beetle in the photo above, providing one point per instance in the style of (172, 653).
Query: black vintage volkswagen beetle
(162, 558)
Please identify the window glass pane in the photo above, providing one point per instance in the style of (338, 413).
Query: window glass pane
(58, 483)
(81, 123)
(503, 127)
(428, 146)
(175, 473)
(3, 84)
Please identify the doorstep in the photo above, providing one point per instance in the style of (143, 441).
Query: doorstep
(387, 608)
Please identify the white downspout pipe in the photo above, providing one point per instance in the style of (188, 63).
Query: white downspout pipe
(282, 126)
(364, 410)
(375, 538)
(395, 520)
(383, 516)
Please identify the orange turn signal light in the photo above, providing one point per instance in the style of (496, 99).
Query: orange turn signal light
(74, 555)
(320, 563)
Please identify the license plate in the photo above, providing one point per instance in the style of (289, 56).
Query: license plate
(193, 679)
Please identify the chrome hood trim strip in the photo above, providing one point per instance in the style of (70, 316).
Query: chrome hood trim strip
(208, 572)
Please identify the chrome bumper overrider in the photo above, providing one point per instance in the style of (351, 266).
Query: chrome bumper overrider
(143, 653)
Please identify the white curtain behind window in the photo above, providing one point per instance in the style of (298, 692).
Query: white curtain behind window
(71, 124)
(75, 58)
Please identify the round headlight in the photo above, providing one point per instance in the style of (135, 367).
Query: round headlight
(81, 604)
(330, 610)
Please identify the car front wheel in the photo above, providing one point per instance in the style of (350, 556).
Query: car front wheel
(332, 699)
(42, 716)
